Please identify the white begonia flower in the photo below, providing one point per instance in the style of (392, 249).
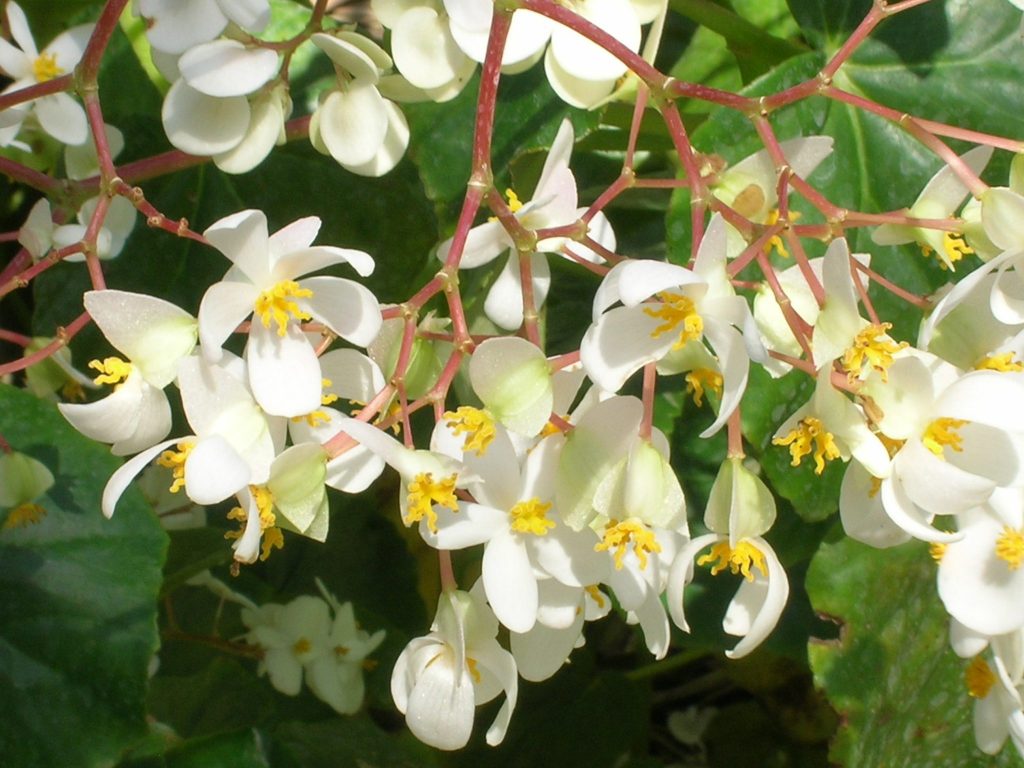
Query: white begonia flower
(940, 199)
(154, 336)
(581, 72)
(750, 186)
(470, 24)
(424, 50)
(980, 576)
(39, 234)
(217, 106)
(740, 510)
(177, 25)
(956, 438)
(58, 114)
(354, 124)
(554, 204)
(439, 679)
(428, 478)
(830, 426)
(336, 677)
(284, 372)
(687, 307)
(233, 445)
(511, 516)
(995, 687)
(292, 637)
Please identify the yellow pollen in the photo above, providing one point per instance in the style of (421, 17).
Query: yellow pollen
(340, 651)
(776, 241)
(475, 424)
(937, 550)
(1010, 547)
(940, 433)
(700, 379)
(739, 560)
(953, 245)
(619, 536)
(314, 418)
(271, 537)
(302, 645)
(514, 203)
(979, 678)
(424, 493)
(45, 67)
(810, 435)
(471, 665)
(275, 305)
(327, 397)
(1003, 363)
(531, 517)
(676, 310)
(23, 516)
(595, 595)
(175, 461)
(113, 370)
(871, 349)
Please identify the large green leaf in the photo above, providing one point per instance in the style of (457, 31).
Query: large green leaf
(896, 684)
(77, 603)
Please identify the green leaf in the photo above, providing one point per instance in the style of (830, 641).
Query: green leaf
(346, 742)
(826, 23)
(77, 603)
(896, 684)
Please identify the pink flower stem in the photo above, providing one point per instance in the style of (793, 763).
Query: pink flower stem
(63, 335)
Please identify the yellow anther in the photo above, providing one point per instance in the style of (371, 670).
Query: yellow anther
(531, 517)
(341, 651)
(45, 67)
(979, 678)
(23, 516)
(676, 310)
(302, 645)
(113, 370)
(871, 347)
(424, 493)
(327, 397)
(740, 560)
(475, 424)
(595, 595)
(471, 665)
(271, 537)
(619, 536)
(314, 418)
(810, 436)
(1010, 547)
(1003, 363)
(175, 461)
(514, 203)
(955, 247)
(700, 379)
(937, 550)
(940, 433)
(276, 305)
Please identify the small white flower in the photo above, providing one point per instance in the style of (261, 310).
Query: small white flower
(177, 25)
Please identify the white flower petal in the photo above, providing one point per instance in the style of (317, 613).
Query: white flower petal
(203, 125)
(223, 307)
(283, 371)
(391, 151)
(509, 581)
(243, 238)
(214, 471)
(224, 68)
(63, 118)
(344, 306)
(123, 476)
(353, 123)
(762, 604)
(425, 51)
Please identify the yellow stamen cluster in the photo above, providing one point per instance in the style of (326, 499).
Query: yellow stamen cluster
(776, 241)
(327, 397)
(45, 67)
(424, 493)
(531, 517)
(475, 424)
(1010, 547)
(740, 560)
(700, 379)
(23, 516)
(619, 536)
(1002, 363)
(676, 310)
(113, 370)
(937, 550)
(810, 436)
(871, 347)
(175, 461)
(302, 645)
(276, 305)
(270, 536)
(313, 418)
(953, 245)
(979, 678)
(940, 433)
